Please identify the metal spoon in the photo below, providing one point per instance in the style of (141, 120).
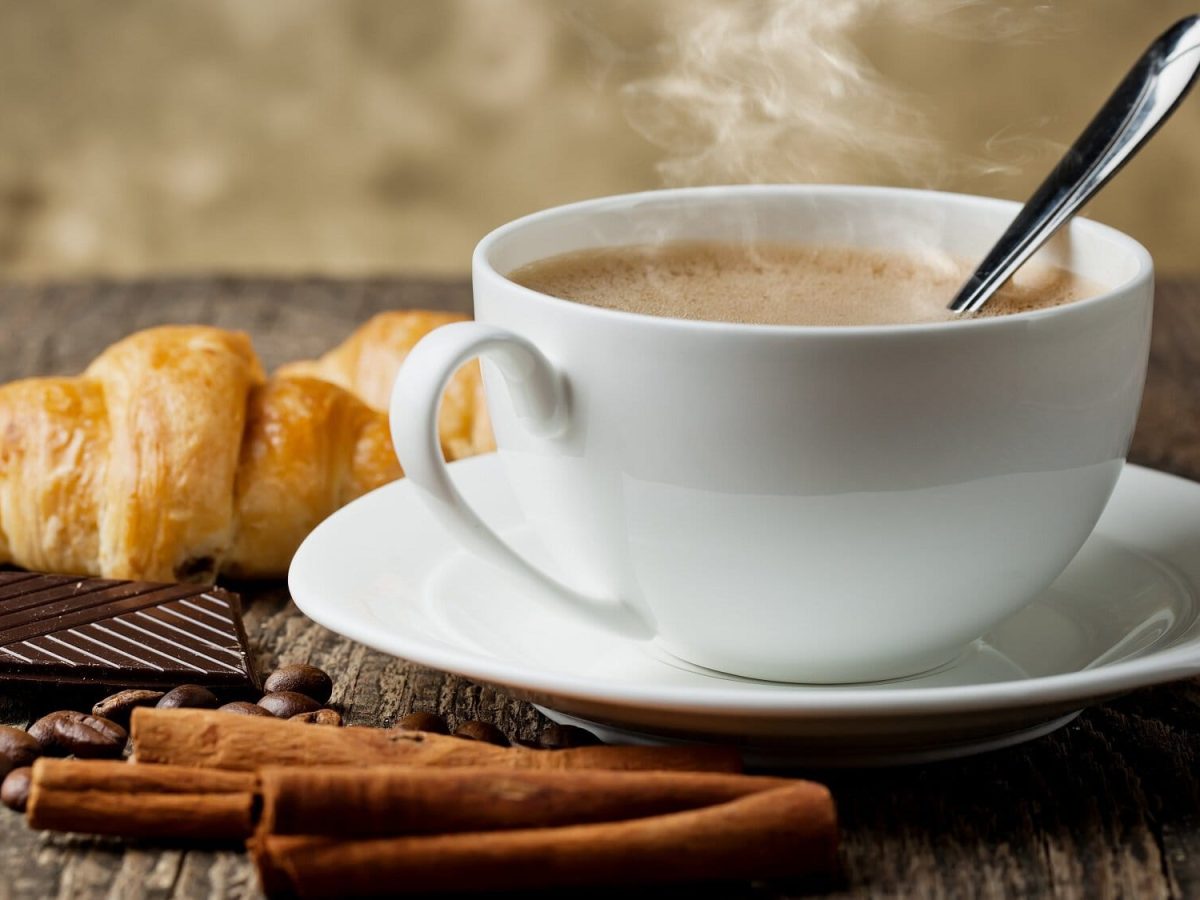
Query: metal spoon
(1140, 104)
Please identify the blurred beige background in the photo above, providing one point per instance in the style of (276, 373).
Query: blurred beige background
(362, 136)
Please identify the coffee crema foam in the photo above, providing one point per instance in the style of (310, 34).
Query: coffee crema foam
(771, 283)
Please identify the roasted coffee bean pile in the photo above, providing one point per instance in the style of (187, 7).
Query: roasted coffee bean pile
(553, 737)
(297, 691)
(293, 691)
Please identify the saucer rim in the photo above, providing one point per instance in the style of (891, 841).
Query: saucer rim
(1178, 661)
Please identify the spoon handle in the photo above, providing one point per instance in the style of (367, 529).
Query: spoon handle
(1140, 104)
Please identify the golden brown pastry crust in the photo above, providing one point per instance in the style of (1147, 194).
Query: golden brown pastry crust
(53, 443)
(176, 401)
(173, 457)
(310, 448)
(366, 364)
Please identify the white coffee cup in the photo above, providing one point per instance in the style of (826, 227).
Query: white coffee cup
(816, 504)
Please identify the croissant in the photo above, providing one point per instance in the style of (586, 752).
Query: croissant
(173, 456)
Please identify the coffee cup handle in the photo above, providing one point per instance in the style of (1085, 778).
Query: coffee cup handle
(540, 399)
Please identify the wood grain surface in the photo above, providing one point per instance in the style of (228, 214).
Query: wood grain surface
(1108, 806)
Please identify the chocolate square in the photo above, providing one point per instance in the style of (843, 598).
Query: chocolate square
(68, 629)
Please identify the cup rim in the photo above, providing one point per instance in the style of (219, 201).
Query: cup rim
(482, 266)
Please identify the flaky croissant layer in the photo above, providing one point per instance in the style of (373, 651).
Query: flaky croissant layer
(174, 457)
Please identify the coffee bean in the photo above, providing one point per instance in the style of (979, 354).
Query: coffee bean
(324, 716)
(422, 721)
(188, 696)
(17, 749)
(475, 730)
(286, 704)
(300, 678)
(562, 737)
(88, 737)
(14, 792)
(244, 708)
(118, 707)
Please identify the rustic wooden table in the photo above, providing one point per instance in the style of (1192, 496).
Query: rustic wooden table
(1107, 807)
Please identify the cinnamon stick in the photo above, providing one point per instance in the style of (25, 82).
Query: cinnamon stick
(129, 800)
(140, 800)
(785, 832)
(459, 829)
(390, 801)
(196, 737)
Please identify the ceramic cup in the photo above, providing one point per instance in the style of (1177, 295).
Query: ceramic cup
(805, 504)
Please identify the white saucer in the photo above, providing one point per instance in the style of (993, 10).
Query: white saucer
(383, 572)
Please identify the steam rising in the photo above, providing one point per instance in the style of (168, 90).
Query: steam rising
(778, 91)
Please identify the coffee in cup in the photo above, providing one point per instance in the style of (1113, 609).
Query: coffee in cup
(772, 283)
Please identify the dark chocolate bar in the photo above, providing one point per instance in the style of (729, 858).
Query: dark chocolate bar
(68, 629)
